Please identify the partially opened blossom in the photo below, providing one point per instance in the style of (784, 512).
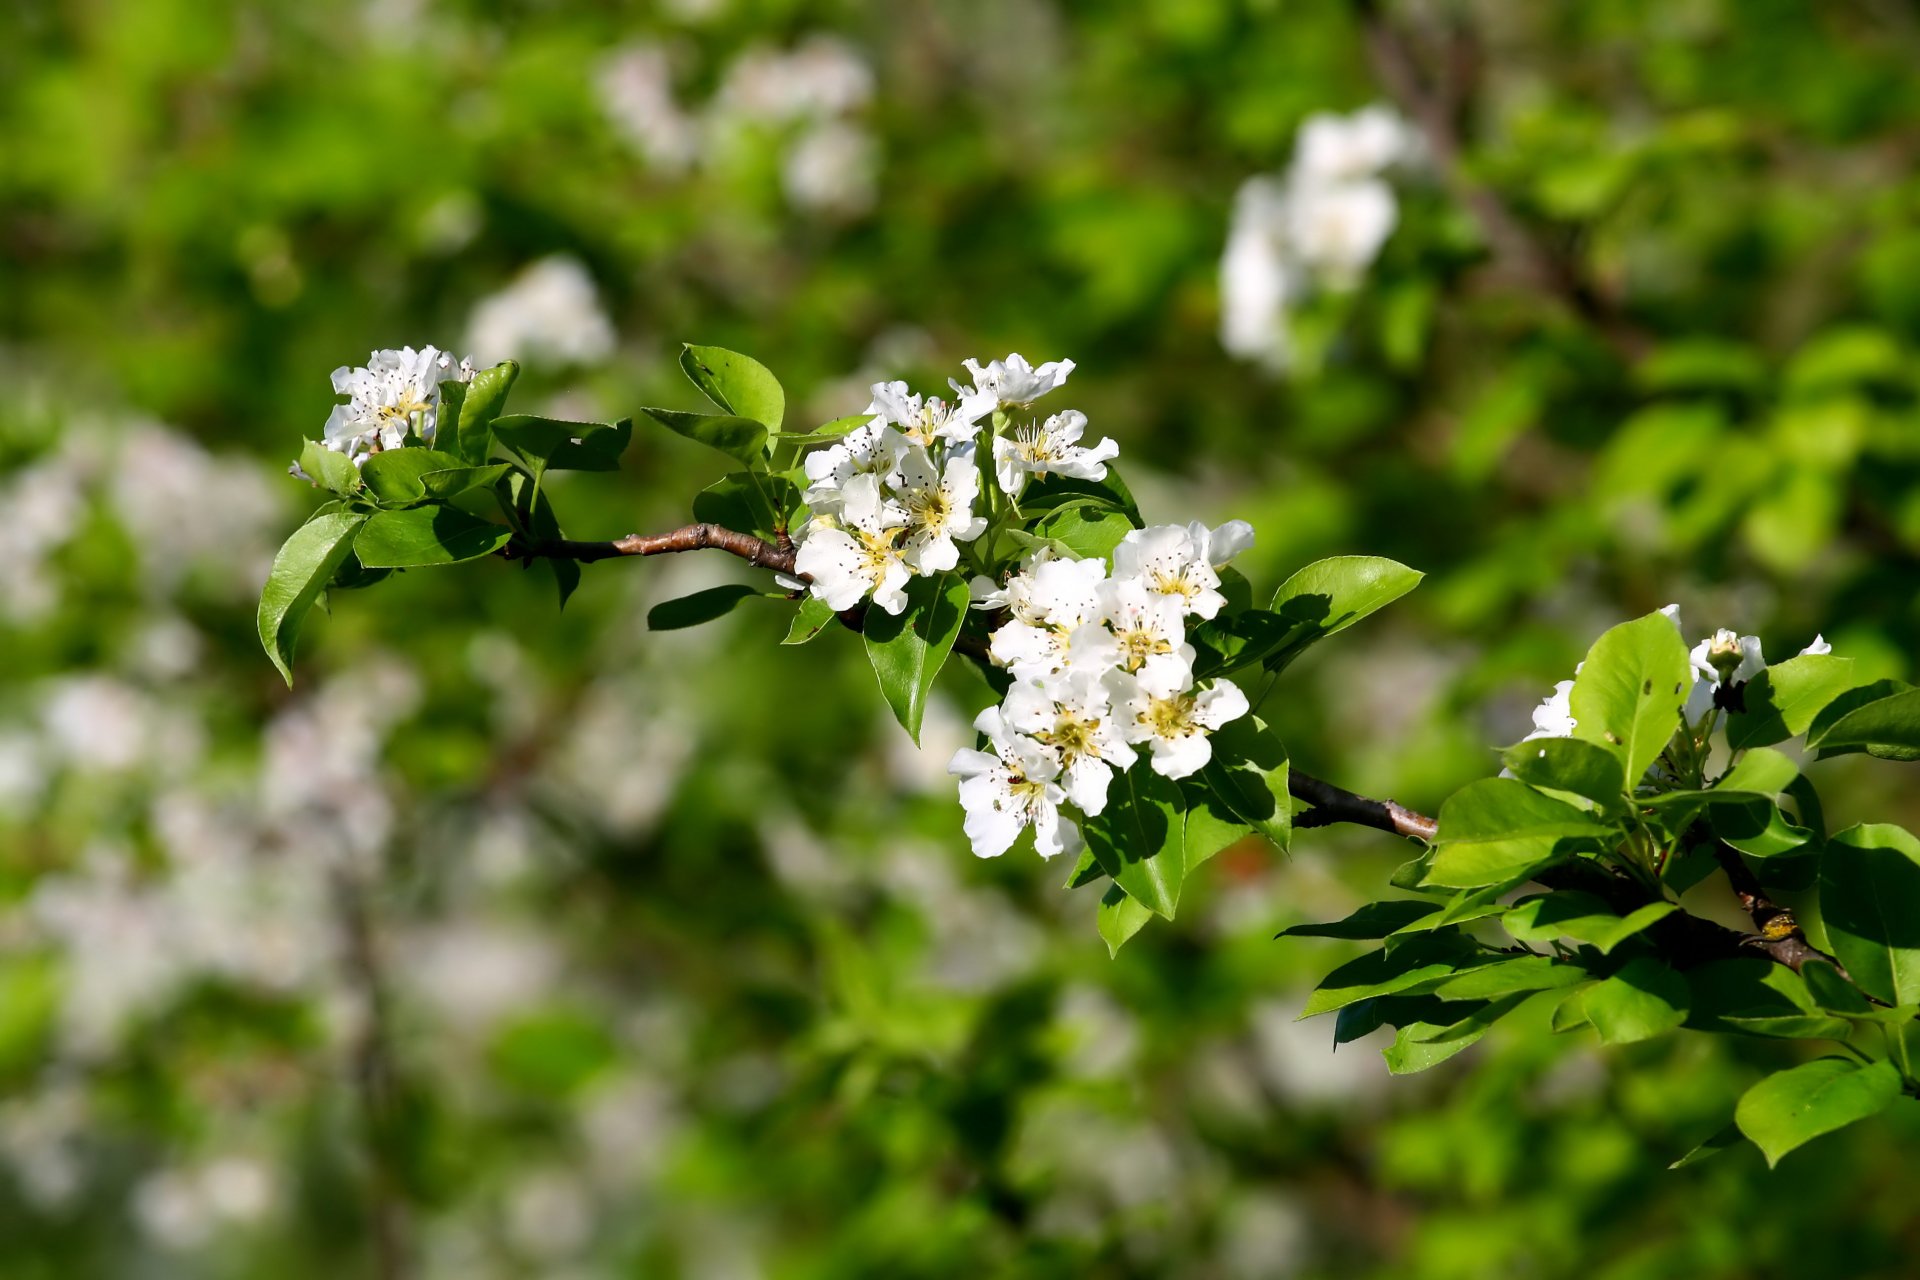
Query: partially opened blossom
(1726, 657)
(938, 504)
(1008, 384)
(923, 420)
(1072, 716)
(1159, 708)
(1050, 448)
(1011, 788)
(396, 393)
(855, 554)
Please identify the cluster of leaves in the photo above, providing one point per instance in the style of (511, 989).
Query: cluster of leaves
(1619, 820)
(417, 507)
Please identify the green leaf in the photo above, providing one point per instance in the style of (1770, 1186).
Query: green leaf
(1211, 826)
(533, 511)
(1086, 528)
(748, 501)
(1756, 826)
(1248, 772)
(909, 648)
(1756, 997)
(1888, 727)
(1569, 764)
(1792, 1107)
(1420, 1045)
(1519, 975)
(1627, 695)
(809, 620)
(548, 444)
(739, 385)
(1375, 920)
(701, 606)
(744, 439)
(1642, 1000)
(1782, 701)
(1728, 1136)
(1414, 968)
(1870, 902)
(332, 471)
(1055, 490)
(1331, 595)
(301, 570)
(481, 403)
(1119, 917)
(1497, 829)
(1584, 917)
(828, 430)
(394, 476)
(1140, 838)
(426, 536)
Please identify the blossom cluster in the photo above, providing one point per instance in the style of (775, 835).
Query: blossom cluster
(895, 496)
(1318, 226)
(1724, 660)
(396, 394)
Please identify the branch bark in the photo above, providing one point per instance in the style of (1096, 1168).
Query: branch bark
(693, 537)
(1779, 934)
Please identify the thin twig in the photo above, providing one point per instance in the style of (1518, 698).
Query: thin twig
(692, 537)
(1780, 935)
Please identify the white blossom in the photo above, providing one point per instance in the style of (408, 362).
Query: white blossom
(1072, 716)
(855, 555)
(1014, 787)
(1553, 718)
(395, 393)
(1818, 646)
(938, 502)
(1050, 448)
(1174, 560)
(1159, 708)
(833, 167)
(1726, 657)
(926, 421)
(635, 86)
(1049, 600)
(1337, 231)
(1008, 384)
(1332, 149)
(1135, 626)
(873, 450)
(1259, 281)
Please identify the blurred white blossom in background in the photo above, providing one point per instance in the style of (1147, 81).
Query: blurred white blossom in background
(550, 313)
(1319, 226)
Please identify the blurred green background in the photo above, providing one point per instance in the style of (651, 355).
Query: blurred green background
(682, 966)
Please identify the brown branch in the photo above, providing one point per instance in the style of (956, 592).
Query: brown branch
(1523, 249)
(692, 537)
(1780, 935)
(1333, 804)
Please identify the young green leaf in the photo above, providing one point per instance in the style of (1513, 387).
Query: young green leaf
(1414, 968)
(301, 570)
(1569, 764)
(332, 471)
(1870, 902)
(809, 620)
(1628, 694)
(1420, 1045)
(909, 648)
(393, 476)
(1519, 975)
(1498, 828)
(1729, 1135)
(1887, 727)
(1792, 1107)
(1642, 1000)
(1211, 826)
(1375, 920)
(480, 403)
(1140, 838)
(752, 502)
(1331, 595)
(1119, 917)
(743, 439)
(1752, 996)
(1248, 772)
(1084, 526)
(739, 385)
(1570, 913)
(548, 444)
(1782, 701)
(421, 536)
(701, 606)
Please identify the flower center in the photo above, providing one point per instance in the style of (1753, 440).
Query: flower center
(1169, 717)
(1139, 644)
(1073, 736)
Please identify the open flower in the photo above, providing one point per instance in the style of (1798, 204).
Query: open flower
(1072, 716)
(938, 503)
(1159, 708)
(924, 421)
(855, 554)
(1173, 560)
(1011, 788)
(1049, 600)
(1008, 384)
(397, 392)
(873, 450)
(1553, 718)
(1135, 626)
(1050, 448)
